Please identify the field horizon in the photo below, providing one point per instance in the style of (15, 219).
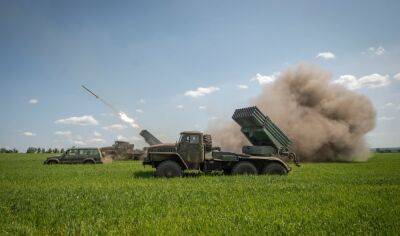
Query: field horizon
(124, 198)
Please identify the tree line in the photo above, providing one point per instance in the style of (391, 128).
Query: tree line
(42, 150)
(5, 150)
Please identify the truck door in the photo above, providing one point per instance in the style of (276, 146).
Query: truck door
(83, 155)
(70, 156)
(191, 150)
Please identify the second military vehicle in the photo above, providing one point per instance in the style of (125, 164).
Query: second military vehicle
(194, 150)
(120, 150)
(77, 155)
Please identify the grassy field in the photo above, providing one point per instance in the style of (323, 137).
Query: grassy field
(123, 197)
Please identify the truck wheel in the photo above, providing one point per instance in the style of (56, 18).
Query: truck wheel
(168, 169)
(274, 168)
(52, 163)
(244, 168)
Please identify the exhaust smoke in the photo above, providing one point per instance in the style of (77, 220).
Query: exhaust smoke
(325, 121)
(122, 115)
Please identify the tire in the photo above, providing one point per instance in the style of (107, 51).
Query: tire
(88, 162)
(274, 168)
(227, 171)
(244, 168)
(52, 162)
(168, 169)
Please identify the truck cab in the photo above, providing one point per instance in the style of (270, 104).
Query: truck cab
(191, 148)
(188, 151)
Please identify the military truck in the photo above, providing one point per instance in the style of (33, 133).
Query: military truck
(120, 150)
(77, 156)
(194, 150)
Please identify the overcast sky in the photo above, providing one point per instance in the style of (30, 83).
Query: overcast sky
(178, 65)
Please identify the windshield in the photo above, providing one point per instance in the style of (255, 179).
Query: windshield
(189, 138)
(71, 152)
(182, 138)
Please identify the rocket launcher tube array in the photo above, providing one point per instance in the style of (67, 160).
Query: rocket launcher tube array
(252, 119)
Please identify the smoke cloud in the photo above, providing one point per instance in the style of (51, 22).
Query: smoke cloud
(325, 121)
(125, 118)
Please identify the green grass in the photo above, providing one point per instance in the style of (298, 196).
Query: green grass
(123, 197)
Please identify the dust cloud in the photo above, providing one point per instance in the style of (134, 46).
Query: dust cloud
(106, 160)
(325, 121)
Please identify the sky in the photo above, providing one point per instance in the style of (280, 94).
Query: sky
(171, 66)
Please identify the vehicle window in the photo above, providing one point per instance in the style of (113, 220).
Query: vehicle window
(94, 152)
(185, 138)
(72, 152)
(194, 139)
(85, 152)
(190, 138)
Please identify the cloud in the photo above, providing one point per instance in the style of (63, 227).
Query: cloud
(213, 118)
(368, 81)
(78, 120)
(63, 133)
(349, 81)
(265, 79)
(124, 117)
(376, 51)
(386, 118)
(142, 101)
(122, 138)
(96, 140)
(242, 86)
(326, 55)
(77, 139)
(126, 139)
(139, 111)
(29, 134)
(374, 80)
(397, 76)
(70, 137)
(79, 142)
(179, 106)
(202, 107)
(389, 104)
(135, 138)
(33, 101)
(201, 91)
(107, 114)
(114, 127)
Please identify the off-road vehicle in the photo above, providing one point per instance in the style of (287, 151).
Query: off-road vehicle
(77, 156)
